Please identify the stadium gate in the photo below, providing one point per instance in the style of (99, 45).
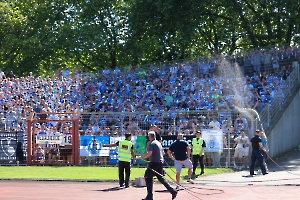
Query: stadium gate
(53, 139)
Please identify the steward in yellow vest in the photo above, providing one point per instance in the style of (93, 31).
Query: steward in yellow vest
(125, 153)
(198, 145)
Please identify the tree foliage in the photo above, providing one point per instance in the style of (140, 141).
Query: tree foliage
(41, 36)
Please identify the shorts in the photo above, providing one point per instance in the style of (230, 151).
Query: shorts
(246, 151)
(179, 164)
(239, 153)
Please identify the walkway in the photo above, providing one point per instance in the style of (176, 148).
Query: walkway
(278, 184)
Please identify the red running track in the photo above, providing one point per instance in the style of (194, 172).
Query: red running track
(46, 190)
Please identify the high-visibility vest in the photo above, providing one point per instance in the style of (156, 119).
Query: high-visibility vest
(197, 146)
(124, 153)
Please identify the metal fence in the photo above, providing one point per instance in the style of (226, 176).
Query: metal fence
(168, 125)
(167, 122)
(114, 125)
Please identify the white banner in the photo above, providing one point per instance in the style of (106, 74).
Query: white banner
(49, 139)
(213, 140)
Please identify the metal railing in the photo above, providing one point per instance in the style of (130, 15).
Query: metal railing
(167, 122)
(282, 94)
(168, 125)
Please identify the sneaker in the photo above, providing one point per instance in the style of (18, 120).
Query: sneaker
(174, 195)
(190, 181)
(201, 173)
(177, 188)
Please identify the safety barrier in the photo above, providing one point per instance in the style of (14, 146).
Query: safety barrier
(105, 127)
(282, 94)
(217, 154)
(96, 129)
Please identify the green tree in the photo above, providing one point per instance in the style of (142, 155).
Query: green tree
(41, 42)
(161, 30)
(176, 29)
(267, 22)
(41, 36)
(12, 24)
(101, 32)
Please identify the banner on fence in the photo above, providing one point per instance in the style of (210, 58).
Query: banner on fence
(140, 148)
(8, 145)
(169, 139)
(48, 138)
(213, 140)
(53, 138)
(92, 145)
(67, 139)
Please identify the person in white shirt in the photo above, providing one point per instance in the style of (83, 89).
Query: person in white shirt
(242, 145)
(246, 143)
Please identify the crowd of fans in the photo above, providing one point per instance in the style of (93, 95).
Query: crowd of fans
(172, 93)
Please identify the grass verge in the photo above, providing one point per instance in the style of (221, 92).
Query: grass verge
(85, 173)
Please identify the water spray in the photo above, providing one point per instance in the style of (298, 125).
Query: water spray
(258, 117)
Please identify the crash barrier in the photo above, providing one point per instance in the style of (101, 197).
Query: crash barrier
(168, 125)
(92, 151)
(50, 137)
(167, 122)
